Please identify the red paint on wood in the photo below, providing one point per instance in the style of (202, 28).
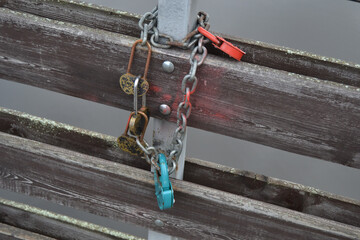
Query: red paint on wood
(219, 115)
(155, 89)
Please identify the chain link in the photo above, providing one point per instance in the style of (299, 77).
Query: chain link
(148, 25)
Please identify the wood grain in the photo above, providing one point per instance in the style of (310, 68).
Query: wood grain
(114, 190)
(8, 232)
(255, 186)
(56, 226)
(257, 52)
(276, 108)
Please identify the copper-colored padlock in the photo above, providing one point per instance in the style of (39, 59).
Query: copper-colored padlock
(127, 80)
(128, 143)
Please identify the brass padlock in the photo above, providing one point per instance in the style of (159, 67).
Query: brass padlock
(127, 80)
(128, 143)
(137, 122)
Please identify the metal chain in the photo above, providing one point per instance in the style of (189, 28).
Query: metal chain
(188, 85)
(148, 26)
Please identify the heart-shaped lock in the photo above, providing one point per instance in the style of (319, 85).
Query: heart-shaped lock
(128, 143)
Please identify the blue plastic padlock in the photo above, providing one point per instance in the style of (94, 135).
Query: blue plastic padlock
(163, 188)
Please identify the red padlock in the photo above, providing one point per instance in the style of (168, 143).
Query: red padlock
(222, 44)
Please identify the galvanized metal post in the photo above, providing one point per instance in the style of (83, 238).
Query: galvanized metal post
(176, 18)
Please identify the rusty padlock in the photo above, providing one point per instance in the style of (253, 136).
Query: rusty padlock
(128, 143)
(127, 80)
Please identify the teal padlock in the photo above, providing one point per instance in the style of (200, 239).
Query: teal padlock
(163, 188)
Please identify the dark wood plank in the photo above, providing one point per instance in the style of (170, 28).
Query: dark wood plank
(283, 193)
(266, 189)
(8, 232)
(66, 136)
(54, 225)
(275, 108)
(122, 192)
(259, 53)
(78, 12)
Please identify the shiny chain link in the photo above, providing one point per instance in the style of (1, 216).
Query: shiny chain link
(148, 25)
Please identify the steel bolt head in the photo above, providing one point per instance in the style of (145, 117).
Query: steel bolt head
(168, 66)
(159, 223)
(165, 109)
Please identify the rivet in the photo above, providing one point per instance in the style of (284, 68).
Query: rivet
(159, 223)
(165, 109)
(168, 66)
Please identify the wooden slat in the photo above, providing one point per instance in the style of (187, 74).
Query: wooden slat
(259, 53)
(266, 189)
(118, 191)
(8, 232)
(54, 225)
(276, 108)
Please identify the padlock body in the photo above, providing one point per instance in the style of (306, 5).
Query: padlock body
(229, 49)
(127, 81)
(138, 123)
(128, 144)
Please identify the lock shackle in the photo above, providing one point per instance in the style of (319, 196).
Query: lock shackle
(147, 59)
(136, 85)
(145, 125)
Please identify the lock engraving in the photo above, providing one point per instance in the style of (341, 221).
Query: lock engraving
(127, 84)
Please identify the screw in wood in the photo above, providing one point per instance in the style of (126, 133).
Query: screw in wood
(165, 109)
(168, 66)
(159, 223)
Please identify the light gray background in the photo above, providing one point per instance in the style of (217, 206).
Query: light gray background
(326, 27)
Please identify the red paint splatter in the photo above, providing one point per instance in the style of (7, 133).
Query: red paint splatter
(155, 88)
(221, 116)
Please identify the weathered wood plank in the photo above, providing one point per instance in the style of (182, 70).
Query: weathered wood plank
(54, 225)
(78, 12)
(66, 136)
(8, 232)
(266, 189)
(275, 108)
(259, 53)
(122, 192)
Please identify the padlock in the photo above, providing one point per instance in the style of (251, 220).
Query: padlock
(127, 80)
(163, 188)
(128, 143)
(222, 44)
(137, 121)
